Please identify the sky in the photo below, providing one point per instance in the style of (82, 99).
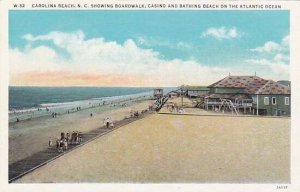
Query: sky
(145, 47)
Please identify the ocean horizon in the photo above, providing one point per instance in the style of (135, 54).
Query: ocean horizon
(27, 97)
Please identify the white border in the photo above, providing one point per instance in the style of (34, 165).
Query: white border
(294, 8)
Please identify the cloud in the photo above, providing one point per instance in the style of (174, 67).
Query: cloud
(222, 33)
(41, 58)
(274, 58)
(286, 41)
(272, 46)
(59, 38)
(276, 67)
(268, 47)
(281, 57)
(99, 62)
(154, 42)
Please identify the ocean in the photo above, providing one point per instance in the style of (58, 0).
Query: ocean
(35, 97)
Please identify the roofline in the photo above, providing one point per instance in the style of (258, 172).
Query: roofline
(270, 94)
(227, 87)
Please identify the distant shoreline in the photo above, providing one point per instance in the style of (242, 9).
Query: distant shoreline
(73, 107)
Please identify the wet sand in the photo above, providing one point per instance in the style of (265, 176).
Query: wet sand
(31, 136)
(180, 148)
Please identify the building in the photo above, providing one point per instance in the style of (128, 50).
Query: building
(194, 92)
(251, 94)
(158, 93)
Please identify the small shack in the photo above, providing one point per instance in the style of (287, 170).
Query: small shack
(158, 93)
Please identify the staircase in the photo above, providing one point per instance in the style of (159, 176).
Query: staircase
(159, 103)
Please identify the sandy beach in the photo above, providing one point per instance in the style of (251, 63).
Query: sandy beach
(178, 148)
(31, 136)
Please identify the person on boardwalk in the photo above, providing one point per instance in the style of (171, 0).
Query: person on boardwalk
(65, 144)
(77, 137)
(107, 122)
(73, 138)
(57, 144)
(111, 125)
(68, 138)
(50, 142)
(61, 146)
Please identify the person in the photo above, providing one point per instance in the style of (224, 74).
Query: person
(181, 110)
(65, 144)
(77, 137)
(107, 122)
(68, 138)
(111, 125)
(57, 144)
(62, 135)
(91, 114)
(61, 146)
(73, 138)
(50, 143)
(80, 139)
(18, 120)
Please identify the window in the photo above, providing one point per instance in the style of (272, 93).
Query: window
(273, 100)
(266, 101)
(287, 101)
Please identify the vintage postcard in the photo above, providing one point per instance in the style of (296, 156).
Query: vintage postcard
(193, 96)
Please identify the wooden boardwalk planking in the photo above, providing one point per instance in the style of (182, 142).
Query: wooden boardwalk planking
(27, 165)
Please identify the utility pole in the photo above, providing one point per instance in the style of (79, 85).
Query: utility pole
(181, 98)
(256, 105)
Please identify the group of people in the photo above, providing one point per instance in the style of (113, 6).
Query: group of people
(54, 115)
(66, 139)
(134, 114)
(173, 107)
(150, 107)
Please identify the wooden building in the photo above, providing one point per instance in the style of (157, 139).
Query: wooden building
(251, 94)
(158, 93)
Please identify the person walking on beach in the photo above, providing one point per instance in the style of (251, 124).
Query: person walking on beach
(91, 114)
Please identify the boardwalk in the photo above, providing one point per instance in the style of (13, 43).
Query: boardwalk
(24, 166)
